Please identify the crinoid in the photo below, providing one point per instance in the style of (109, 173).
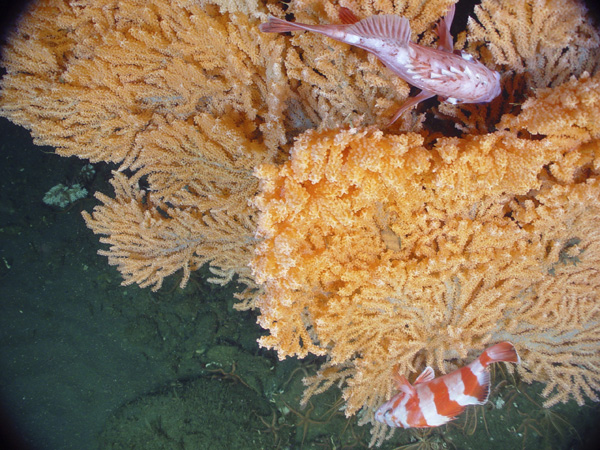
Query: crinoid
(545, 427)
(322, 424)
(276, 426)
(426, 439)
(306, 420)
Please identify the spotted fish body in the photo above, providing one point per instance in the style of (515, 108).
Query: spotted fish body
(432, 402)
(455, 78)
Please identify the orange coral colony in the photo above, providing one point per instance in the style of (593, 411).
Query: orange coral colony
(379, 252)
(267, 157)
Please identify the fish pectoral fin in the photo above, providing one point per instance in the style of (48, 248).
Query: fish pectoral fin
(426, 375)
(413, 101)
(480, 389)
(347, 16)
(443, 31)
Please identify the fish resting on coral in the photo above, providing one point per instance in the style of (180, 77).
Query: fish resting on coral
(453, 76)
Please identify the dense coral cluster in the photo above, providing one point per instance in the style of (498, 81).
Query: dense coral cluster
(381, 253)
(376, 247)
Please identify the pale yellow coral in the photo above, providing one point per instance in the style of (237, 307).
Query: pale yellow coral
(188, 96)
(550, 40)
(534, 44)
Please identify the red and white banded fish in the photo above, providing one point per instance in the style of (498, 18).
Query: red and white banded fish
(432, 402)
(454, 77)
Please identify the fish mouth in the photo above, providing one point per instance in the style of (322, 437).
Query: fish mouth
(385, 416)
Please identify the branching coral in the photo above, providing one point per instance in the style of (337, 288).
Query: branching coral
(379, 253)
(535, 44)
(188, 98)
(375, 247)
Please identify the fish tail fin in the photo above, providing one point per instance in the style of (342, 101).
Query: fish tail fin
(275, 25)
(503, 351)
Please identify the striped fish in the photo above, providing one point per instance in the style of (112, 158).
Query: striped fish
(432, 402)
(455, 77)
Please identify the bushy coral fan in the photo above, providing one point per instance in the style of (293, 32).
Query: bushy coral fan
(379, 252)
(462, 226)
(183, 95)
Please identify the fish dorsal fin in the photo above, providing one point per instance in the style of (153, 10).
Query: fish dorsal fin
(403, 385)
(347, 16)
(443, 31)
(426, 375)
(385, 26)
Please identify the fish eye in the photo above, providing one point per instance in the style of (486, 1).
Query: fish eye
(384, 412)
